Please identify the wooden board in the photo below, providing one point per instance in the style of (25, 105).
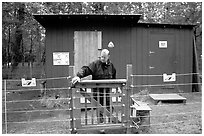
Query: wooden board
(86, 47)
(167, 97)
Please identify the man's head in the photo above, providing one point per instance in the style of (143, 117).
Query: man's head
(104, 55)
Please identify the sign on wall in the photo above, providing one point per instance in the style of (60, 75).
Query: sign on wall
(60, 58)
(162, 44)
(110, 45)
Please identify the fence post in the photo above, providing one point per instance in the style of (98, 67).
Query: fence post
(196, 77)
(75, 112)
(128, 93)
(5, 105)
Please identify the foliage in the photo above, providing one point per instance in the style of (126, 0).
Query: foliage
(23, 37)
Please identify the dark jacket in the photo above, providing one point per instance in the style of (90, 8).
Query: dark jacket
(98, 70)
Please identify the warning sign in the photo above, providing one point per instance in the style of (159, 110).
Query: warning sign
(110, 45)
(28, 83)
(169, 78)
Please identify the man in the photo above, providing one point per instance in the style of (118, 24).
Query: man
(99, 69)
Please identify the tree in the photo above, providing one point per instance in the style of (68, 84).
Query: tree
(17, 49)
(22, 34)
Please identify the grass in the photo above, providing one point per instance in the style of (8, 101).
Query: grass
(160, 116)
(40, 122)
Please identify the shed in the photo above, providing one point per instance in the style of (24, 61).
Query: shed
(152, 49)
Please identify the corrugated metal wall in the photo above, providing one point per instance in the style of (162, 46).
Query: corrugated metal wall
(131, 47)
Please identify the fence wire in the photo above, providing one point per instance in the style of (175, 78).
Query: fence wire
(7, 111)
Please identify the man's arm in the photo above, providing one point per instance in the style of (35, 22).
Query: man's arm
(85, 71)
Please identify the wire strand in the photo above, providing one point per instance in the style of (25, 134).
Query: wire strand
(186, 74)
(135, 86)
(68, 109)
(40, 79)
(37, 89)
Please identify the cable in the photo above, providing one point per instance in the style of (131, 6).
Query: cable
(170, 114)
(37, 89)
(135, 86)
(54, 78)
(26, 122)
(37, 100)
(68, 109)
(186, 74)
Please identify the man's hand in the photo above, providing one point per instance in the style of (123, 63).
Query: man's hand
(75, 80)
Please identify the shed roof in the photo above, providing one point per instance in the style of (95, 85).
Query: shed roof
(48, 19)
(44, 20)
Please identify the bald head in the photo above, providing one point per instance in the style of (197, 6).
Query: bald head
(105, 51)
(105, 55)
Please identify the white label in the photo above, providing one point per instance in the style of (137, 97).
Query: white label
(60, 58)
(82, 100)
(169, 78)
(28, 83)
(162, 44)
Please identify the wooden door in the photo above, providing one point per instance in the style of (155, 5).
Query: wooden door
(87, 46)
(162, 59)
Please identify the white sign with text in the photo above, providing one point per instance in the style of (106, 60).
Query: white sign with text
(60, 58)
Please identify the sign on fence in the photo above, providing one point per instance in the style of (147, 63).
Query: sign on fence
(169, 78)
(28, 83)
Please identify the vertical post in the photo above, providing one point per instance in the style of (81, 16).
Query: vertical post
(197, 77)
(98, 109)
(104, 104)
(128, 76)
(75, 105)
(86, 116)
(71, 73)
(92, 109)
(116, 92)
(111, 106)
(31, 70)
(123, 104)
(5, 105)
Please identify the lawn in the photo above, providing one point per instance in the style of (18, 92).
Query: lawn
(53, 118)
(166, 118)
